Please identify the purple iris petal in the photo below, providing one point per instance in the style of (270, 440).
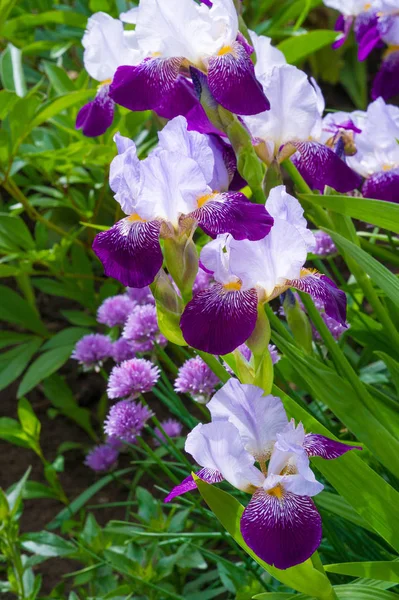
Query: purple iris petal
(232, 82)
(95, 117)
(146, 86)
(322, 288)
(320, 166)
(219, 320)
(386, 82)
(232, 212)
(180, 100)
(130, 252)
(319, 445)
(383, 185)
(366, 33)
(283, 530)
(188, 484)
(343, 24)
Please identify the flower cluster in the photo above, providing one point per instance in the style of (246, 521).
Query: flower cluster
(132, 378)
(280, 523)
(376, 24)
(196, 378)
(125, 420)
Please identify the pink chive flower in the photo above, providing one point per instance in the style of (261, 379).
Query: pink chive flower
(196, 378)
(122, 350)
(142, 329)
(171, 427)
(101, 458)
(324, 244)
(115, 310)
(126, 420)
(140, 295)
(132, 378)
(92, 350)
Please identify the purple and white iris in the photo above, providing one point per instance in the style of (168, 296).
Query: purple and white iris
(176, 35)
(107, 46)
(181, 184)
(294, 122)
(221, 318)
(280, 523)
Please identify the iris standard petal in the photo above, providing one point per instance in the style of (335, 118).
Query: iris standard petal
(383, 185)
(283, 529)
(322, 288)
(130, 251)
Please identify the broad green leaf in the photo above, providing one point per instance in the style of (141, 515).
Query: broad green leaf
(55, 17)
(14, 234)
(349, 474)
(44, 543)
(379, 274)
(11, 70)
(393, 367)
(59, 78)
(12, 338)
(79, 318)
(45, 365)
(339, 506)
(346, 592)
(377, 212)
(287, 13)
(303, 578)
(66, 337)
(296, 48)
(15, 496)
(15, 309)
(11, 431)
(29, 421)
(14, 362)
(61, 396)
(385, 570)
(7, 101)
(5, 9)
(60, 104)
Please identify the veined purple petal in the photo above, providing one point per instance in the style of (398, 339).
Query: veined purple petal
(343, 24)
(218, 320)
(320, 166)
(321, 287)
(283, 529)
(180, 100)
(232, 81)
(386, 82)
(232, 212)
(130, 251)
(383, 185)
(188, 484)
(146, 86)
(319, 445)
(96, 116)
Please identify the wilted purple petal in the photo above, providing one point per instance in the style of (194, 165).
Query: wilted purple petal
(232, 81)
(219, 320)
(383, 185)
(321, 166)
(188, 484)
(232, 212)
(319, 445)
(386, 82)
(283, 529)
(145, 86)
(130, 251)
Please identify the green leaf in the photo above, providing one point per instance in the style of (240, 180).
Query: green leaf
(303, 578)
(14, 234)
(362, 592)
(11, 70)
(15, 309)
(7, 101)
(66, 337)
(11, 338)
(59, 78)
(26, 21)
(380, 275)
(60, 104)
(377, 212)
(296, 48)
(61, 396)
(15, 361)
(11, 431)
(29, 421)
(393, 367)
(48, 363)
(79, 318)
(14, 496)
(385, 570)
(5, 9)
(45, 543)
(339, 506)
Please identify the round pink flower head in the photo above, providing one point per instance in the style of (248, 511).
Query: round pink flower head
(122, 350)
(196, 378)
(171, 427)
(142, 329)
(115, 310)
(324, 244)
(126, 420)
(101, 458)
(132, 378)
(140, 295)
(92, 350)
